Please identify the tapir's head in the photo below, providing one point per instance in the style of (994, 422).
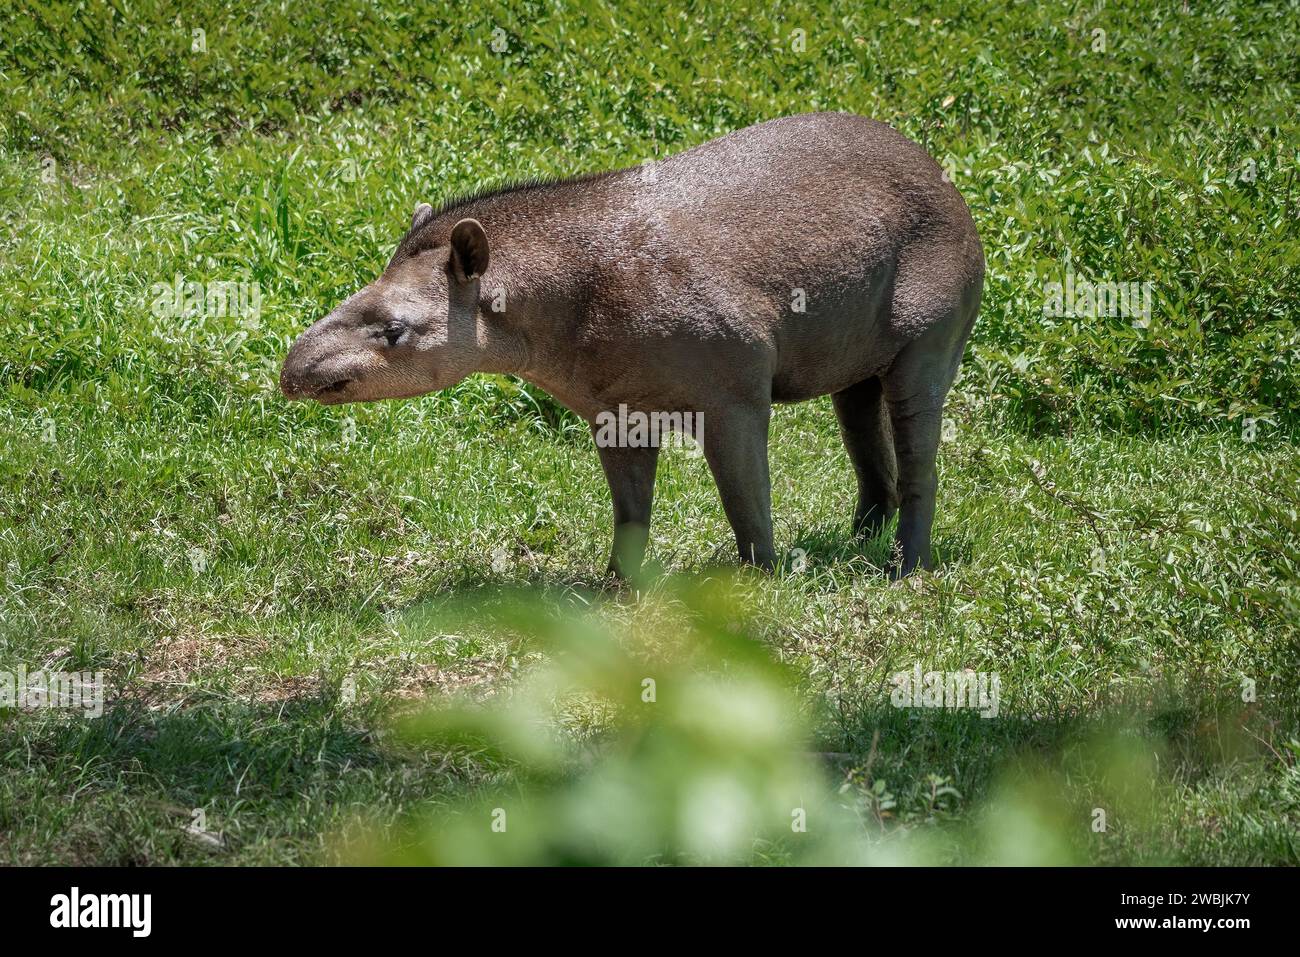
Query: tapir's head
(411, 331)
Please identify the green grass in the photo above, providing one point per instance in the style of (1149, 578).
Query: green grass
(1111, 543)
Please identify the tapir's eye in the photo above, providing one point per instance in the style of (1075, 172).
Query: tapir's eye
(393, 332)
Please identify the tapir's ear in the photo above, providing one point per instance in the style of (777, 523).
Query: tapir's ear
(469, 250)
(423, 213)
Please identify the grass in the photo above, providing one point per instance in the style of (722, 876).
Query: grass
(264, 584)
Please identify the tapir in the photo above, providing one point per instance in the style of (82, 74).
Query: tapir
(819, 254)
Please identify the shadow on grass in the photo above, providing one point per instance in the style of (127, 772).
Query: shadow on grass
(834, 546)
(280, 782)
(1164, 782)
(265, 781)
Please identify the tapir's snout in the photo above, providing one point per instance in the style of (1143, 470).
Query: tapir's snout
(296, 379)
(311, 370)
(293, 379)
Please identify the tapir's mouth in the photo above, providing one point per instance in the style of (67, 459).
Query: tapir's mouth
(332, 392)
(340, 391)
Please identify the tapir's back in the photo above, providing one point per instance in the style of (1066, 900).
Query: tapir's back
(799, 178)
(820, 214)
(824, 243)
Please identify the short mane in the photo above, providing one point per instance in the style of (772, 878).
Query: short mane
(467, 202)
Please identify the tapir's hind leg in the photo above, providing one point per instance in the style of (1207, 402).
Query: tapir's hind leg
(915, 388)
(917, 420)
(864, 425)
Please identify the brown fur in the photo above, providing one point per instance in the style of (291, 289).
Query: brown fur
(670, 288)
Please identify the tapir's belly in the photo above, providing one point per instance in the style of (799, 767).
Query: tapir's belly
(841, 337)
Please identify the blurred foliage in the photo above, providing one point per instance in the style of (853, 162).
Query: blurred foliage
(618, 752)
(679, 740)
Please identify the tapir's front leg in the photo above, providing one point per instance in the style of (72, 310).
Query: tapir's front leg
(736, 450)
(631, 476)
